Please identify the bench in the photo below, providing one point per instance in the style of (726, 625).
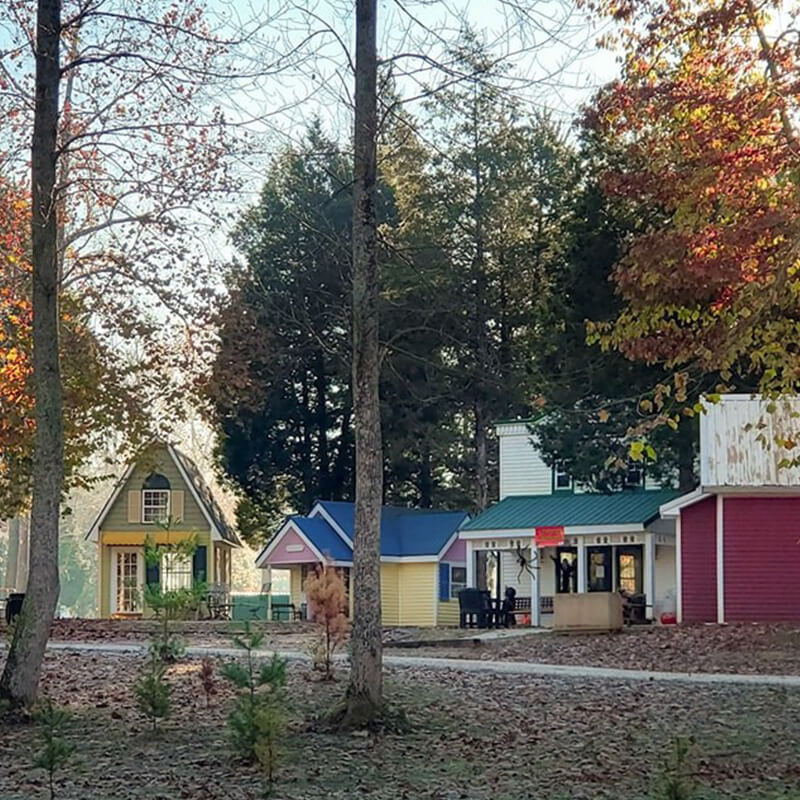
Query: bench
(290, 611)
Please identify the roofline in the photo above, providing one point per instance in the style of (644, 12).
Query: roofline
(453, 538)
(569, 530)
(272, 543)
(330, 520)
(672, 508)
(94, 531)
(193, 489)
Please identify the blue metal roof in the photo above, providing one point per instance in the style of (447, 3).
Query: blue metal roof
(404, 531)
(324, 538)
(568, 509)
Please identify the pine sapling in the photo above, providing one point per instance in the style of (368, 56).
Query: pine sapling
(152, 691)
(676, 783)
(55, 750)
(327, 600)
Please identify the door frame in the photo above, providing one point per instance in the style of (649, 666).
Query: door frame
(115, 552)
(637, 551)
(608, 579)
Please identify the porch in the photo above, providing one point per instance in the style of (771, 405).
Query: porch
(640, 565)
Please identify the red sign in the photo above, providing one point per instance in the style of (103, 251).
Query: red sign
(549, 536)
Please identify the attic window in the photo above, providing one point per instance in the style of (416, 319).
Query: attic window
(561, 478)
(155, 498)
(634, 476)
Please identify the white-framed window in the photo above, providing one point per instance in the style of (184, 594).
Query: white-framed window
(458, 581)
(635, 474)
(561, 478)
(176, 571)
(155, 505)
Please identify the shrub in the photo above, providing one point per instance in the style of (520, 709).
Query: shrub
(258, 716)
(152, 691)
(55, 750)
(327, 601)
(207, 680)
(676, 782)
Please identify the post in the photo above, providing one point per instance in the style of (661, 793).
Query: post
(581, 566)
(536, 586)
(720, 560)
(678, 572)
(470, 564)
(649, 574)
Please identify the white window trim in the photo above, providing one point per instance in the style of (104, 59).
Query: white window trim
(186, 564)
(556, 488)
(169, 503)
(461, 585)
(115, 553)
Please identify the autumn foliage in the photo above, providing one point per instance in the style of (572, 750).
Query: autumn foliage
(327, 602)
(95, 397)
(704, 117)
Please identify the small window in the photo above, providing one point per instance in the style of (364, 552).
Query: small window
(155, 505)
(562, 479)
(458, 581)
(176, 572)
(634, 476)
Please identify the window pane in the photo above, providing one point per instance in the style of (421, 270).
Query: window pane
(176, 572)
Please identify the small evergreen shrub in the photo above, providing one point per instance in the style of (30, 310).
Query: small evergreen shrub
(152, 692)
(676, 779)
(55, 750)
(258, 717)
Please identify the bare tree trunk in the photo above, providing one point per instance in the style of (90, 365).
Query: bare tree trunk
(12, 555)
(20, 677)
(364, 694)
(24, 552)
(481, 455)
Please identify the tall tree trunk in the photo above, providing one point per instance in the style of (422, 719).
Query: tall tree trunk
(323, 455)
(364, 694)
(20, 677)
(482, 455)
(12, 556)
(426, 480)
(24, 552)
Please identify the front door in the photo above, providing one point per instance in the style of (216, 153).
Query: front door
(127, 580)
(566, 564)
(598, 566)
(629, 568)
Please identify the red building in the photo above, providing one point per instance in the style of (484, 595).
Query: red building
(738, 534)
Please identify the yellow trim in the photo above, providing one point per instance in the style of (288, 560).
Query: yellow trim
(136, 538)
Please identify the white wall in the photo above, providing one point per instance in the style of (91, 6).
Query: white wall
(665, 593)
(510, 573)
(522, 471)
(737, 442)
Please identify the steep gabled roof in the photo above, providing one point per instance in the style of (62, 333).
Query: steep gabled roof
(572, 510)
(196, 485)
(324, 538)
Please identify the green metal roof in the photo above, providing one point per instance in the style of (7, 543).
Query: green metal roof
(567, 509)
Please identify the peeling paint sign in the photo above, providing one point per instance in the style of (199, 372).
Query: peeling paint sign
(750, 441)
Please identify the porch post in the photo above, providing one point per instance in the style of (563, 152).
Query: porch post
(720, 560)
(268, 604)
(470, 564)
(536, 586)
(649, 574)
(581, 565)
(678, 571)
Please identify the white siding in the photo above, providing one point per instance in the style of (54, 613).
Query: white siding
(737, 442)
(665, 593)
(522, 471)
(510, 573)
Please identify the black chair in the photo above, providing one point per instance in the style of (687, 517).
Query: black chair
(475, 608)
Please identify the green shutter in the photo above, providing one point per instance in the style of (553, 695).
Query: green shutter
(199, 561)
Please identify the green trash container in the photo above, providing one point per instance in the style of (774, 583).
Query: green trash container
(254, 606)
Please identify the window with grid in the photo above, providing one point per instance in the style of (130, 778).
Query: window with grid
(176, 572)
(155, 505)
(458, 581)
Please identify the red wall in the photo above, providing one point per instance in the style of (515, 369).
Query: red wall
(762, 559)
(699, 561)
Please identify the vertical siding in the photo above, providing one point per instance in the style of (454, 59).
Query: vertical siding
(522, 470)
(699, 561)
(390, 601)
(158, 461)
(762, 559)
(416, 584)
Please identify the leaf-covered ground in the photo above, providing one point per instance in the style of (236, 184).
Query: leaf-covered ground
(771, 649)
(471, 736)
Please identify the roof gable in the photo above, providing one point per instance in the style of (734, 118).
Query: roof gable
(572, 510)
(201, 511)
